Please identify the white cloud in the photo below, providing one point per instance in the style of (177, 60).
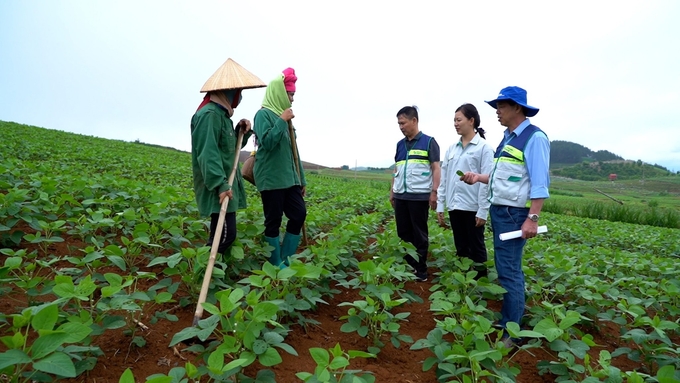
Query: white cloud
(604, 76)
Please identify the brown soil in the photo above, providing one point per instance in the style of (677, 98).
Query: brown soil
(391, 365)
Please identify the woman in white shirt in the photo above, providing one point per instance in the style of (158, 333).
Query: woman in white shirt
(467, 205)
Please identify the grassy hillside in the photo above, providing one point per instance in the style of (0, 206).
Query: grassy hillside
(624, 170)
(570, 153)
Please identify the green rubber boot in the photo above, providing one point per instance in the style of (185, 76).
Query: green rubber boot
(275, 256)
(289, 246)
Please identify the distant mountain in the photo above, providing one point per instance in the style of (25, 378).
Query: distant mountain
(569, 159)
(569, 153)
(601, 170)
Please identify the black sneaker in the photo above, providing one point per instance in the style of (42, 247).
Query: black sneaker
(421, 277)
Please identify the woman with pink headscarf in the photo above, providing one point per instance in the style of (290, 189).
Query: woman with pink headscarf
(278, 171)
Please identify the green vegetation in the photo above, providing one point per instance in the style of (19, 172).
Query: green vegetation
(565, 152)
(131, 243)
(624, 170)
(655, 202)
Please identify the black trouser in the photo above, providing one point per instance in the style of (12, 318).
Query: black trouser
(411, 218)
(277, 202)
(469, 238)
(228, 235)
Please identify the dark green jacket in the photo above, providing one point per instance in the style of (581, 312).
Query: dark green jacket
(274, 167)
(213, 147)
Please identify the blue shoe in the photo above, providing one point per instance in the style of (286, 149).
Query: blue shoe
(275, 255)
(289, 246)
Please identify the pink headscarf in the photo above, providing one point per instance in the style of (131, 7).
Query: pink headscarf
(289, 79)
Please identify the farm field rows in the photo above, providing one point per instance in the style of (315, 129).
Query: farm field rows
(102, 253)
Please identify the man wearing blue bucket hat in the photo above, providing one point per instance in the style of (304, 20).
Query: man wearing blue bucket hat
(518, 185)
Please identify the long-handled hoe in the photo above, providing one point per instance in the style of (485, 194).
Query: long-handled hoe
(216, 240)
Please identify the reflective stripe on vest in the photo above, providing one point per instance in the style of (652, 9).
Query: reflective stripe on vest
(412, 173)
(509, 183)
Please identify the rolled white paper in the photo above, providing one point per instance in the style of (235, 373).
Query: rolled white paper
(518, 233)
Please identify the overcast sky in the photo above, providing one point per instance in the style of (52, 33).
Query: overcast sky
(605, 74)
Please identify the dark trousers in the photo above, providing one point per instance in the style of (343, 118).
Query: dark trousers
(228, 234)
(276, 203)
(411, 218)
(468, 238)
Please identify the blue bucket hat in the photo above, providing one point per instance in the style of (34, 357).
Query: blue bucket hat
(517, 95)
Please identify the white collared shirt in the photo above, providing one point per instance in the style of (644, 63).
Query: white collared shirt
(454, 194)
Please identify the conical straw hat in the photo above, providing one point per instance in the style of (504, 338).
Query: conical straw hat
(232, 76)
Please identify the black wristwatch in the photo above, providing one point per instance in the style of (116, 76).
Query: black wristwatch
(533, 217)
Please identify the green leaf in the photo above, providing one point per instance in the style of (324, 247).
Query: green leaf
(549, 329)
(360, 354)
(57, 364)
(108, 291)
(338, 363)
(270, 358)
(64, 289)
(13, 262)
(163, 297)
(260, 346)
(270, 270)
(46, 318)
(234, 364)
(15, 341)
(127, 377)
(363, 331)
(46, 344)
(113, 279)
(273, 338)
(515, 332)
(666, 374)
(184, 334)
(287, 348)
(248, 356)
(429, 362)
(320, 356)
(353, 324)
(301, 305)
(160, 379)
(304, 376)
(336, 350)
(85, 288)
(157, 261)
(286, 274)
(192, 370)
(559, 345)
(75, 331)
(118, 261)
(13, 357)
(578, 348)
(139, 341)
(634, 377)
(348, 327)
(114, 250)
(571, 319)
(264, 311)
(216, 360)
(324, 375)
(237, 252)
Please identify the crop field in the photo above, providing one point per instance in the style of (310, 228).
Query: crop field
(102, 254)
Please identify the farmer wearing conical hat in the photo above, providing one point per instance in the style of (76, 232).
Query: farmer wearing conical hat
(213, 148)
(278, 171)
